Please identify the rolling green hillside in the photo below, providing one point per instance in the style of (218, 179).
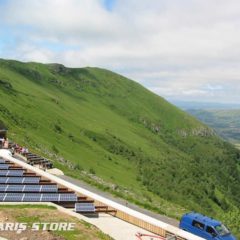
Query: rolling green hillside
(112, 132)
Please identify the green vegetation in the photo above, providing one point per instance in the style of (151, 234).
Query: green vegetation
(30, 214)
(225, 122)
(112, 132)
(24, 206)
(2, 126)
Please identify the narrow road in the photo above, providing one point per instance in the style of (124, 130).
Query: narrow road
(82, 184)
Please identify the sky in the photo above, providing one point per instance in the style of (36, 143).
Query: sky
(185, 50)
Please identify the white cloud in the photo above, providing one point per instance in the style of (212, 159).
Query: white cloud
(183, 49)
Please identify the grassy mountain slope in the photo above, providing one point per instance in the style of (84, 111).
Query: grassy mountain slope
(112, 132)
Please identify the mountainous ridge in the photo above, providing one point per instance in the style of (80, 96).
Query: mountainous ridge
(107, 126)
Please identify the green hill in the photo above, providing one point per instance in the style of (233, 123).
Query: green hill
(112, 132)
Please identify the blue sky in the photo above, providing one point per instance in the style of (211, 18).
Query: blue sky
(187, 50)
(109, 4)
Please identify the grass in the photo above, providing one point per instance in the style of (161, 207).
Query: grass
(30, 214)
(25, 206)
(111, 132)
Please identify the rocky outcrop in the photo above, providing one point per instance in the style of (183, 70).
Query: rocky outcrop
(200, 131)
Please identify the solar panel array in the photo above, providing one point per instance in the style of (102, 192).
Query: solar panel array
(66, 197)
(28, 188)
(85, 208)
(17, 187)
(4, 166)
(11, 172)
(19, 180)
(31, 180)
(37, 197)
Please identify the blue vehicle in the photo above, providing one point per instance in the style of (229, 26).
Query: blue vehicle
(205, 227)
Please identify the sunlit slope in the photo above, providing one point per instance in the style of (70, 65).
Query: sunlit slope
(97, 121)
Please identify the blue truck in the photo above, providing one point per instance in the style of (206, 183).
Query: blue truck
(205, 227)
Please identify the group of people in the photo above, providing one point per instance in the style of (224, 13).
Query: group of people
(4, 143)
(22, 150)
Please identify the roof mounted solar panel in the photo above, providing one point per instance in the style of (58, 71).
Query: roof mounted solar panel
(13, 197)
(49, 188)
(15, 172)
(3, 172)
(2, 160)
(85, 207)
(11, 172)
(3, 187)
(4, 166)
(32, 197)
(50, 197)
(14, 180)
(14, 188)
(68, 197)
(3, 179)
(28, 188)
(31, 180)
(2, 195)
(32, 188)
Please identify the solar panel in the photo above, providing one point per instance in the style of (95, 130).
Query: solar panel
(32, 188)
(3, 172)
(3, 179)
(28, 188)
(11, 172)
(14, 179)
(19, 180)
(36, 197)
(32, 197)
(2, 195)
(54, 197)
(85, 207)
(31, 180)
(3, 187)
(15, 172)
(68, 197)
(4, 166)
(49, 188)
(2, 160)
(13, 197)
(14, 188)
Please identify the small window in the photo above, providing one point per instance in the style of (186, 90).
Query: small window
(211, 231)
(198, 224)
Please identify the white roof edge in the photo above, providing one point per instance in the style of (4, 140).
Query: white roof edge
(7, 155)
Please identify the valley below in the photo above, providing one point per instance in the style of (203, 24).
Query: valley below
(226, 122)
